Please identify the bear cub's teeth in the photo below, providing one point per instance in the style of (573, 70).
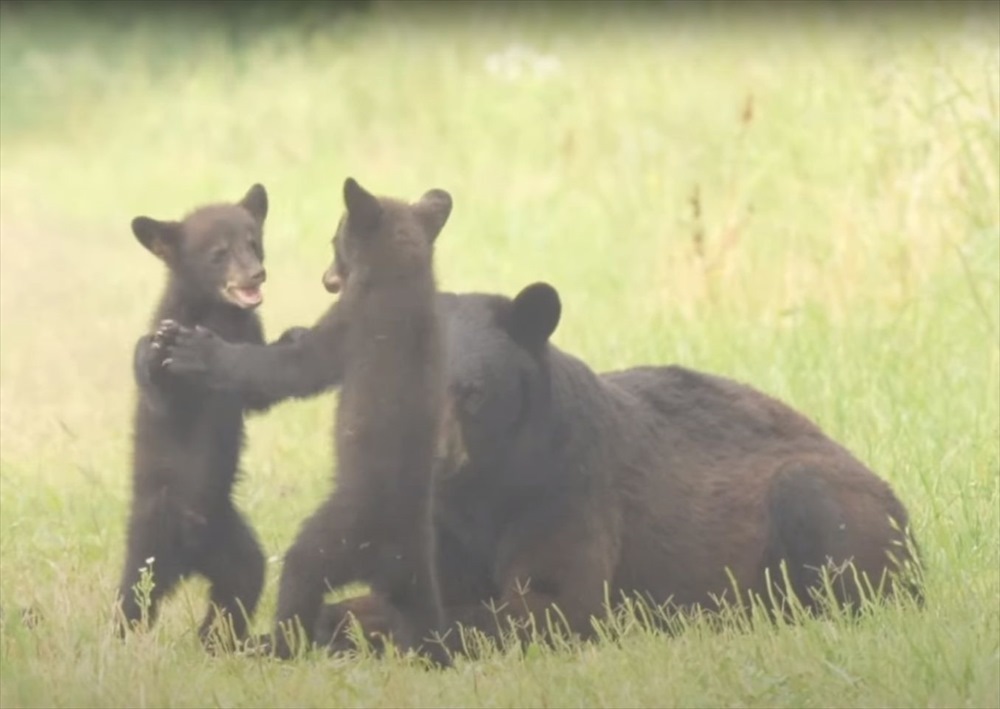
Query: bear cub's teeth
(246, 297)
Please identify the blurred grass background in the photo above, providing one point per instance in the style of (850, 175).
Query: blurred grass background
(803, 197)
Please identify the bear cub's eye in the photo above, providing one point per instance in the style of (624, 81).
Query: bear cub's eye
(218, 255)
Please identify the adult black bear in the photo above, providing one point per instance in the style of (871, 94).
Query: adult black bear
(187, 440)
(376, 526)
(657, 481)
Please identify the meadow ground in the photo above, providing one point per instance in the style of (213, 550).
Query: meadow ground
(806, 201)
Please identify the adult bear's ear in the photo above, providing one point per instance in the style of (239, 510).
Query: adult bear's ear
(534, 315)
(159, 237)
(363, 208)
(255, 202)
(433, 210)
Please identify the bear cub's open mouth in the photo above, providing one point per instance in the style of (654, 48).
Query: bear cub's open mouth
(243, 296)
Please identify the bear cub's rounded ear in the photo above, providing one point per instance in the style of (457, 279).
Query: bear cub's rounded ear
(534, 314)
(159, 237)
(255, 202)
(433, 210)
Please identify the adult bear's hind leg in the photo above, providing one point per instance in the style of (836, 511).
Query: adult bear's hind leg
(834, 526)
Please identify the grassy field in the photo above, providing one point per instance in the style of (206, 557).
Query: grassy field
(807, 201)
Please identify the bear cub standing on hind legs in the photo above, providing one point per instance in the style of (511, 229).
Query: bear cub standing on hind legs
(376, 527)
(187, 439)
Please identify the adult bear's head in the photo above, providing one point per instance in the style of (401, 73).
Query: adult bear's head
(498, 372)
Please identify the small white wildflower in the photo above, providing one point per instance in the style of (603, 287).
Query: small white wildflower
(150, 560)
(517, 61)
(547, 65)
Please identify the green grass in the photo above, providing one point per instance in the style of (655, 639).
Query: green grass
(845, 258)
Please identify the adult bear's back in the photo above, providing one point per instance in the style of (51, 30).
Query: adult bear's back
(707, 412)
(696, 493)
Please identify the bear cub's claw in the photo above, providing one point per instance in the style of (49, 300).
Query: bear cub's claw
(186, 351)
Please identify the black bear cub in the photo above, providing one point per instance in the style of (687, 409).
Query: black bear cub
(187, 439)
(376, 527)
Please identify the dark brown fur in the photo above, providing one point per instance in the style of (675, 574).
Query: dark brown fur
(187, 440)
(657, 481)
(660, 482)
(376, 527)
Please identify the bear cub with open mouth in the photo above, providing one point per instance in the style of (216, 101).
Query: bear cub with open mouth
(187, 439)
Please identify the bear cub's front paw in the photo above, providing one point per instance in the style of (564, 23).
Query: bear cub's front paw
(188, 352)
(163, 339)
